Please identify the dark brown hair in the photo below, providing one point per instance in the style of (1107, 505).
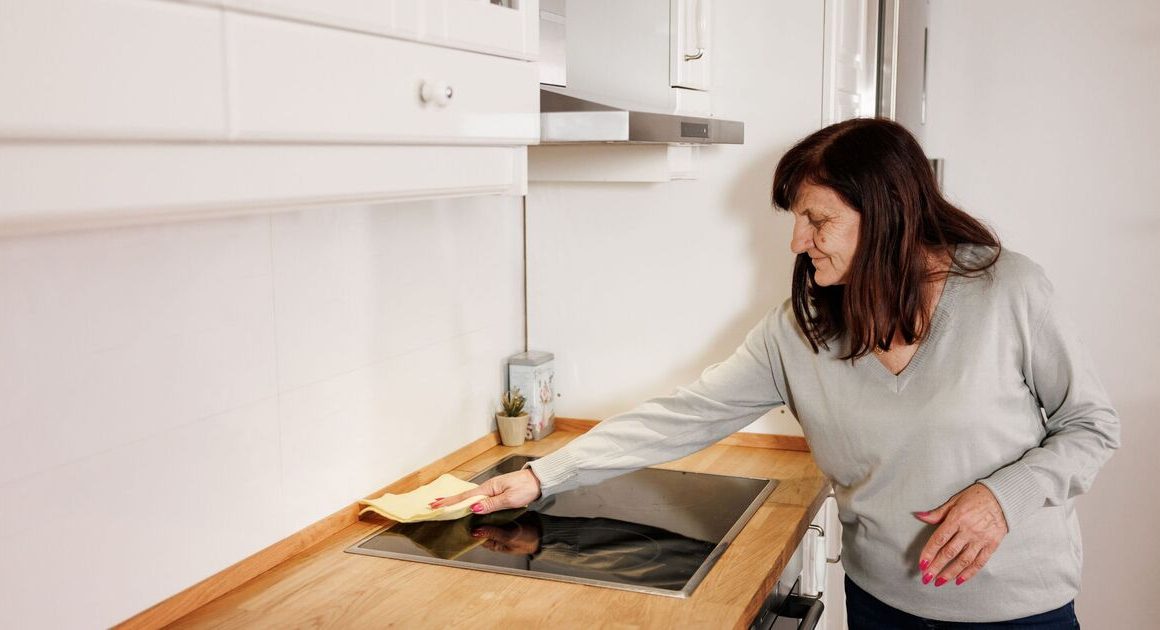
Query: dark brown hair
(877, 167)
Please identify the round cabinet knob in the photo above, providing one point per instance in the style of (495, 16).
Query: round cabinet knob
(436, 92)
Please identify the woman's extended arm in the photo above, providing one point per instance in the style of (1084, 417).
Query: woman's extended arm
(728, 396)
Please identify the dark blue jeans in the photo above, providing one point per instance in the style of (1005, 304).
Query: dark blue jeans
(865, 612)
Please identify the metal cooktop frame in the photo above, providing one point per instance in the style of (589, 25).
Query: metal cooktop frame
(685, 592)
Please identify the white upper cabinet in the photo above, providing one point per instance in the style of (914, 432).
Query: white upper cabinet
(294, 81)
(501, 27)
(110, 68)
(648, 54)
(372, 16)
(689, 47)
(211, 107)
(391, 71)
(848, 74)
(505, 27)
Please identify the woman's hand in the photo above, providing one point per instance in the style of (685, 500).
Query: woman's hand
(522, 538)
(972, 526)
(513, 490)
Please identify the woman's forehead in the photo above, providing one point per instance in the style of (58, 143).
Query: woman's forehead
(815, 197)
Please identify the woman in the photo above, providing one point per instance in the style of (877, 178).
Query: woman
(939, 387)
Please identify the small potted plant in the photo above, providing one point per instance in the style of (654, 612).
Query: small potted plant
(511, 419)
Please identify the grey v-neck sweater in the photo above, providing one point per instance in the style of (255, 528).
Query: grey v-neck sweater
(1001, 392)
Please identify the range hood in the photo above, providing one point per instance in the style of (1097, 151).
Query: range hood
(568, 119)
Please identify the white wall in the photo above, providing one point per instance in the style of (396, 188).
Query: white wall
(639, 287)
(224, 383)
(1046, 114)
(177, 397)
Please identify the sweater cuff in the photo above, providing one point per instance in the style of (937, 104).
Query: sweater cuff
(1017, 491)
(556, 472)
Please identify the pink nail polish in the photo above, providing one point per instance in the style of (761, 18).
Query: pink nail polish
(926, 578)
(923, 514)
(477, 507)
(940, 581)
(924, 564)
(959, 581)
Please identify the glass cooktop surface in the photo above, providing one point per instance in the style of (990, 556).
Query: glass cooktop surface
(650, 530)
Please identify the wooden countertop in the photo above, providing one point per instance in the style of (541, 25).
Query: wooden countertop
(325, 587)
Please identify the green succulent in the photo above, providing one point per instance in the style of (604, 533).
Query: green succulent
(512, 402)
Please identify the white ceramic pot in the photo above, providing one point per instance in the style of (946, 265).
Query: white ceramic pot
(512, 430)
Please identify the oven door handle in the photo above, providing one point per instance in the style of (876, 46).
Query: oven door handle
(795, 607)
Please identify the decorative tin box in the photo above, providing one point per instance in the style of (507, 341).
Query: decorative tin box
(532, 373)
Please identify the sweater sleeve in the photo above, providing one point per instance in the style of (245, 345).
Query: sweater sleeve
(1081, 427)
(727, 397)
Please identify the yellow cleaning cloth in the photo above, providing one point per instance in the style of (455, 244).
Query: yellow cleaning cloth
(411, 507)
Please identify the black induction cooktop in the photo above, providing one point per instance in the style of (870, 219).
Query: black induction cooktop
(651, 530)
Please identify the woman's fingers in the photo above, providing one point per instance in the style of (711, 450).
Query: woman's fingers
(968, 535)
(504, 492)
(950, 544)
(957, 565)
(513, 490)
(491, 532)
(487, 488)
(975, 566)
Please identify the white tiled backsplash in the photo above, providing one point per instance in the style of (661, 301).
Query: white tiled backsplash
(222, 384)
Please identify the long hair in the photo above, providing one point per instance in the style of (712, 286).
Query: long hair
(877, 167)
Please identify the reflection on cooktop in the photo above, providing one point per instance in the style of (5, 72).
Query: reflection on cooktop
(597, 548)
(650, 530)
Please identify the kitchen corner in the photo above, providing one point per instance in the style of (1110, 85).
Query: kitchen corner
(336, 589)
(267, 256)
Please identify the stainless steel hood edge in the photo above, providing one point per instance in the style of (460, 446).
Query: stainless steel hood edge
(567, 119)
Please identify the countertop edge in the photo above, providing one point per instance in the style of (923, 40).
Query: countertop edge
(189, 601)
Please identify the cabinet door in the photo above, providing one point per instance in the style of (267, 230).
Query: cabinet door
(508, 28)
(848, 66)
(690, 56)
(373, 16)
(500, 27)
(111, 69)
(300, 82)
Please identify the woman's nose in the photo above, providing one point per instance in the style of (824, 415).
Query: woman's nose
(801, 239)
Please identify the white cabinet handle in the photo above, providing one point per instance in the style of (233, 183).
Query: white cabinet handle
(700, 31)
(822, 534)
(436, 92)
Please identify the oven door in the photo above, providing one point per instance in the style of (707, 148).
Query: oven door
(789, 612)
(785, 608)
(796, 612)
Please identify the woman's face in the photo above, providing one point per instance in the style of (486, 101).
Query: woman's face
(826, 229)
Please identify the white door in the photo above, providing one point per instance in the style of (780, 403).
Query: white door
(849, 60)
(690, 54)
